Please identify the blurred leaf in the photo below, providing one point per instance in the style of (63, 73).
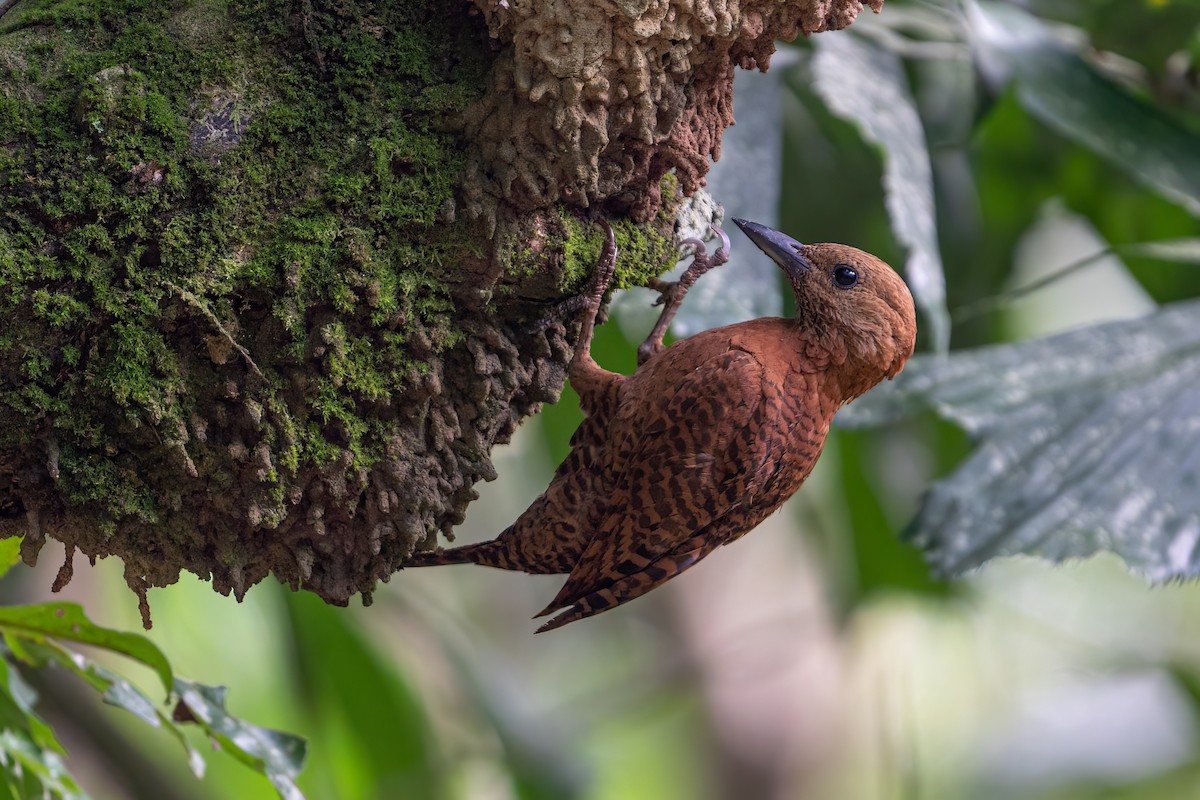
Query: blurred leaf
(821, 151)
(538, 755)
(1185, 251)
(1090, 441)
(31, 633)
(30, 763)
(280, 756)
(16, 710)
(1146, 30)
(12, 717)
(349, 681)
(1187, 679)
(41, 772)
(881, 561)
(116, 690)
(1166, 269)
(749, 286)
(18, 693)
(866, 85)
(67, 621)
(10, 553)
(1059, 88)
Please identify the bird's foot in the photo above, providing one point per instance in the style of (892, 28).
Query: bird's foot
(671, 293)
(582, 363)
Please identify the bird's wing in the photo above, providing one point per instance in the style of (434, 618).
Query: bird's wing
(657, 572)
(706, 447)
(552, 533)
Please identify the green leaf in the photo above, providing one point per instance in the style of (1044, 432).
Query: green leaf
(123, 694)
(32, 631)
(17, 699)
(10, 553)
(1089, 441)
(280, 756)
(67, 621)
(880, 561)
(21, 756)
(1184, 251)
(15, 707)
(116, 691)
(866, 86)
(388, 730)
(1063, 91)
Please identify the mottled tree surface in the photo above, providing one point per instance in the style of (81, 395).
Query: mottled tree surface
(273, 273)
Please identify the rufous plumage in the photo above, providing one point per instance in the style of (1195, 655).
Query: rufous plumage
(707, 437)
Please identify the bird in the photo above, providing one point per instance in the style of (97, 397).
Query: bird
(707, 437)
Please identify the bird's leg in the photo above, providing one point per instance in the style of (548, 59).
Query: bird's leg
(671, 292)
(601, 278)
(592, 382)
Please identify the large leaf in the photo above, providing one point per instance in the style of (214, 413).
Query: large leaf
(1089, 441)
(866, 86)
(1061, 89)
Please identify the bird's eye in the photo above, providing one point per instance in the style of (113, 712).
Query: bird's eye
(845, 276)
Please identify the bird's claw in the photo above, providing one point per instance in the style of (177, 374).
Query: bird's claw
(702, 260)
(722, 254)
(671, 293)
(605, 268)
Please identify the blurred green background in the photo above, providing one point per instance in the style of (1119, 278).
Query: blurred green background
(817, 658)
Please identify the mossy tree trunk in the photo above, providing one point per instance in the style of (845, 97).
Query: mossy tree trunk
(277, 274)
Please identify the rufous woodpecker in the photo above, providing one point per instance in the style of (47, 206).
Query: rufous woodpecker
(707, 437)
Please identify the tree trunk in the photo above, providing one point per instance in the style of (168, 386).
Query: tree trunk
(277, 274)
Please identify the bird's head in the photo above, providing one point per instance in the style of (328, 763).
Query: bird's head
(851, 301)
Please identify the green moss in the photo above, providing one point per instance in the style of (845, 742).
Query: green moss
(110, 483)
(175, 163)
(644, 252)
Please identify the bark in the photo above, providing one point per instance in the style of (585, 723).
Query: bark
(277, 274)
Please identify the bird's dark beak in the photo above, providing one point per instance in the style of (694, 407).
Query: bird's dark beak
(783, 249)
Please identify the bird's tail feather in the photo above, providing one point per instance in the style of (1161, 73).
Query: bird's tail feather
(491, 553)
(484, 553)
